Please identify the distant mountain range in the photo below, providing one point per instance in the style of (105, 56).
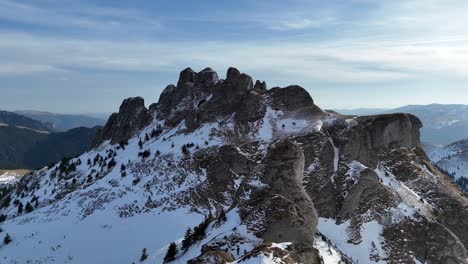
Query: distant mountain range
(17, 120)
(30, 149)
(32, 139)
(443, 124)
(63, 122)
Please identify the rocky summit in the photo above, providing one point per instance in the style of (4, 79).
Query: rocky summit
(229, 171)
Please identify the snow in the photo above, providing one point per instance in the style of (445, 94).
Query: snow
(328, 253)
(282, 246)
(451, 158)
(265, 258)
(261, 259)
(275, 124)
(361, 253)
(103, 236)
(8, 178)
(89, 217)
(411, 202)
(336, 159)
(231, 226)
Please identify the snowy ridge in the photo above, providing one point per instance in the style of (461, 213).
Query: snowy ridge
(201, 176)
(452, 159)
(95, 203)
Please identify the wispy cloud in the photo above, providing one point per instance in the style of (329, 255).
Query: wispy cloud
(300, 24)
(386, 48)
(327, 62)
(76, 15)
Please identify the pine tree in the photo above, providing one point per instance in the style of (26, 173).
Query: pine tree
(188, 239)
(171, 253)
(6, 201)
(140, 144)
(111, 164)
(222, 216)
(3, 217)
(29, 208)
(20, 208)
(144, 255)
(7, 239)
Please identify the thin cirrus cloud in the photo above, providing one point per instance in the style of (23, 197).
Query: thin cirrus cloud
(347, 62)
(334, 43)
(74, 16)
(300, 24)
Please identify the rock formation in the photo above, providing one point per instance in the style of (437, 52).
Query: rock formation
(261, 174)
(290, 215)
(121, 126)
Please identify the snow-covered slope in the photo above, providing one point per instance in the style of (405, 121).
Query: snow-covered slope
(452, 159)
(226, 171)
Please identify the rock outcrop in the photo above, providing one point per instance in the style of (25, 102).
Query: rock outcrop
(290, 216)
(121, 126)
(261, 172)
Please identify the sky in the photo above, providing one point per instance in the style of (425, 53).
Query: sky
(87, 56)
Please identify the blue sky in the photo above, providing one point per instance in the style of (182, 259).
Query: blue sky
(87, 56)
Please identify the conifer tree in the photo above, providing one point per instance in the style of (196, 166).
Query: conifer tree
(171, 253)
(29, 208)
(20, 208)
(144, 255)
(7, 239)
(188, 239)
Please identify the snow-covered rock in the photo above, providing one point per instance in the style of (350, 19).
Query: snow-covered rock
(230, 172)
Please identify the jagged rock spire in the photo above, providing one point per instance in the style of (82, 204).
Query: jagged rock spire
(131, 118)
(297, 220)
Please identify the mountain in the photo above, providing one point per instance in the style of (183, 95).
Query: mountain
(443, 123)
(11, 177)
(452, 159)
(229, 171)
(30, 149)
(63, 122)
(361, 111)
(14, 119)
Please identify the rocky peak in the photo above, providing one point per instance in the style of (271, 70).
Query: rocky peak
(131, 118)
(260, 85)
(186, 76)
(232, 74)
(201, 97)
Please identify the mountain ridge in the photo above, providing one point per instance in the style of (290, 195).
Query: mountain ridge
(249, 174)
(62, 122)
(443, 123)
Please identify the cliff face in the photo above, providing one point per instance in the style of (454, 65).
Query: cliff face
(122, 126)
(257, 175)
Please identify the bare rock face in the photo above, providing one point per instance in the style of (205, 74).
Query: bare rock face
(291, 216)
(201, 97)
(367, 194)
(260, 86)
(291, 98)
(369, 135)
(131, 118)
